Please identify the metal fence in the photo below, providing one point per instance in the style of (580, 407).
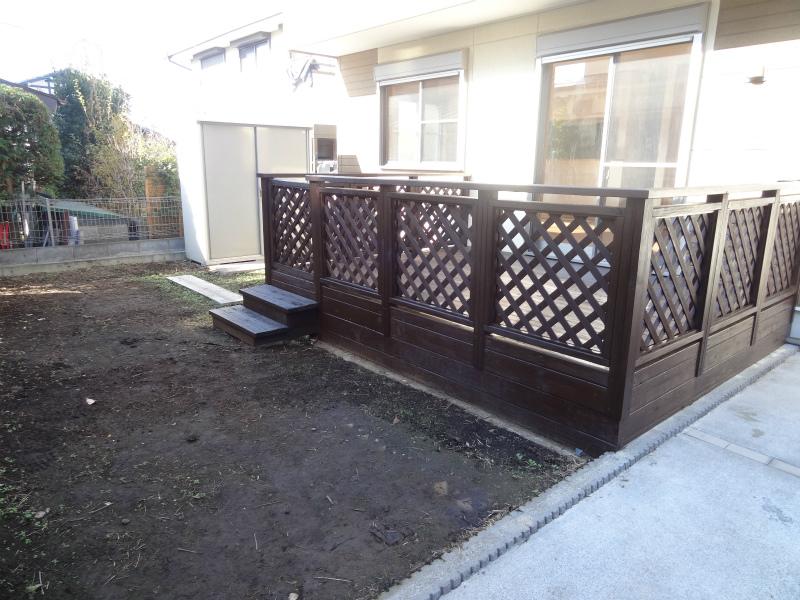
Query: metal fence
(38, 222)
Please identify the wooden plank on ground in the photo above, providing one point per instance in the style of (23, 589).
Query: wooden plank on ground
(210, 290)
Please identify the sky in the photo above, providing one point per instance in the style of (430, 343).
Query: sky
(128, 42)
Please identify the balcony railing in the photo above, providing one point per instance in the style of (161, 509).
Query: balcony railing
(593, 315)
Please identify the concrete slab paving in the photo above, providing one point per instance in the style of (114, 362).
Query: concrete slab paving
(239, 267)
(708, 514)
(459, 564)
(764, 418)
(690, 521)
(210, 290)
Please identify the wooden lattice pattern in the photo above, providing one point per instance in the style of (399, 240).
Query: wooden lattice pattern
(434, 253)
(439, 190)
(552, 277)
(351, 238)
(783, 265)
(436, 190)
(735, 289)
(675, 281)
(291, 218)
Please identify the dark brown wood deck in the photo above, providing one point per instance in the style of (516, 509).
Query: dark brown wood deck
(591, 322)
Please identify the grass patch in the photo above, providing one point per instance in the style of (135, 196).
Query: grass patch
(173, 291)
(232, 281)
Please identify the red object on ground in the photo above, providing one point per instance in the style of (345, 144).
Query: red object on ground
(5, 236)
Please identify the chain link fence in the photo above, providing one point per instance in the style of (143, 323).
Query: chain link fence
(41, 222)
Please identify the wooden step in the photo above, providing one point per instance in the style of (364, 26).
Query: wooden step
(249, 326)
(285, 307)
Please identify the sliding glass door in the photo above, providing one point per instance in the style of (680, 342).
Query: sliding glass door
(615, 119)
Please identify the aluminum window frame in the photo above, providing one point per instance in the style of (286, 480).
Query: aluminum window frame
(255, 47)
(208, 66)
(544, 70)
(419, 164)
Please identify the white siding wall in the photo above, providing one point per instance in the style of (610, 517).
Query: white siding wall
(748, 133)
(265, 96)
(358, 121)
(189, 150)
(744, 132)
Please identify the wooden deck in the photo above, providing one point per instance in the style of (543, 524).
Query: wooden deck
(589, 322)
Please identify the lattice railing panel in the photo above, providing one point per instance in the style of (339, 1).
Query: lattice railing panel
(351, 238)
(552, 277)
(291, 227)
(436, 190)
(783, 265)
(676, 277)
(433, 250)
(736, 289)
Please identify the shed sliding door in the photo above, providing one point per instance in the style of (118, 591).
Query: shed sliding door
(234, 226)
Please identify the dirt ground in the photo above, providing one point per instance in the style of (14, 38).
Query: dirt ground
(145, 455)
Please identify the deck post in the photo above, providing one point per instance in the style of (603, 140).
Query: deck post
(317, 241)
(386, 258)
(764, 257)
(482, 285)
(711, 276)
(630, 296)
(266, 225)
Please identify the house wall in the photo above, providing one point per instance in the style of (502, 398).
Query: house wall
(357, 122)
(266, 95)
(189, 151)
(747, 133)
(226, 95)
(502, 87)
(755, 22)
(742, 133)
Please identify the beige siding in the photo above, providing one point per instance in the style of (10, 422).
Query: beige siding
(502, 91)
(751, 22)
(357, 72)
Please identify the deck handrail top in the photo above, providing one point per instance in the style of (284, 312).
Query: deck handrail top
(479, 186)
(717, 190)
(765, 189)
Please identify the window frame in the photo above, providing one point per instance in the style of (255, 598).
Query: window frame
(419, 164)
(255, 46)
(545, 73)
(210, 67)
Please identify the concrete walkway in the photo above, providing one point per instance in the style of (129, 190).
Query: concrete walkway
(215, 292)
(714, 512)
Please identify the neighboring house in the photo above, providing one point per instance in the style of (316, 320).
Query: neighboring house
(256, 107)
(606, 92)
(48, 98)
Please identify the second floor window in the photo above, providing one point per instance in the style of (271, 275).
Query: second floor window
(421, 123)
(213, 60)
(251, 56)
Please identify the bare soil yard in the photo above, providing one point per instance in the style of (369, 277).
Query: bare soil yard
(145, 455)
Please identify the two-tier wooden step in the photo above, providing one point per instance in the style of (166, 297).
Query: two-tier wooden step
(247, 325)
(268, 315)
